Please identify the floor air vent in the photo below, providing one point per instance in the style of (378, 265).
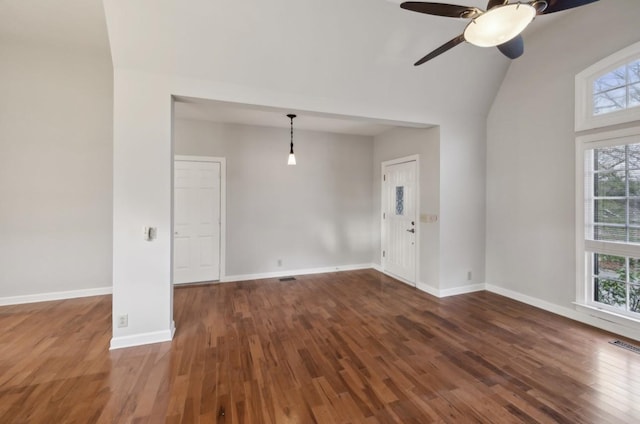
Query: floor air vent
(627, 346)
(287, 278)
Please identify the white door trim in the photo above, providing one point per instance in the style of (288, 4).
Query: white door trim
(223, 206)
(383, 207)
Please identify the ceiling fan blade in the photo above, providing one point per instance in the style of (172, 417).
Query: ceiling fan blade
(443, 48)
(560, 5)
(442, 9)
(513, 48)
(493, 3)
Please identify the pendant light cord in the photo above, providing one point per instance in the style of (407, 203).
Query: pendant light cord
(291, 118)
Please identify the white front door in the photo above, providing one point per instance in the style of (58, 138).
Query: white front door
(400, 197)
(196, 221)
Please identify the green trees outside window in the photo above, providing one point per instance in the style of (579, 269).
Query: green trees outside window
(617, 281)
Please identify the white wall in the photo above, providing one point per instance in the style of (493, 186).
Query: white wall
(452, 186)
(462, 202)
(157, 52)
(142, 189)
(530, 151)
(398, 143)
(312, 215)
(55, 169)
(142, 181)
(359, 53)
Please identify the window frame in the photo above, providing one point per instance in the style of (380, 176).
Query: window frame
(584, 117)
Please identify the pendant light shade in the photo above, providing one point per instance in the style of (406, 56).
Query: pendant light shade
(292, 157)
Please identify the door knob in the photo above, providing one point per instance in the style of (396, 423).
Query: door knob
(413, 230)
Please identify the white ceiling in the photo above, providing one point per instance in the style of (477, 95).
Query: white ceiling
(224, 112)
(82, 22)
(68, 23)
(348, 57)
(397, 47)
(281, 45)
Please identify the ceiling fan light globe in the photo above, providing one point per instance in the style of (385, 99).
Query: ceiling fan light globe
(499, 25)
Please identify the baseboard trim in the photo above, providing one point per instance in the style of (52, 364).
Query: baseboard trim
(308, 271)
(533, 301)
(453, 291)
(572, 314)
(46, 297)
(143, 339)
(428, 289)
(395, 277)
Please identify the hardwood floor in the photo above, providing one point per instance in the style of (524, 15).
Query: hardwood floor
(351, 347)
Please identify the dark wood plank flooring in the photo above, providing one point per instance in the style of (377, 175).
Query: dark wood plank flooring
(351, 347)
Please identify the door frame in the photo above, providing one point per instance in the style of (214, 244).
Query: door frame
(383, 207)
(223, 207)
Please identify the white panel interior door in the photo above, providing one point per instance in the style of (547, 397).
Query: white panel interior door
(399, 217)
(196, 222)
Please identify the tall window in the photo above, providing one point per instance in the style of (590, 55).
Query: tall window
(608, 188)
(612, 227)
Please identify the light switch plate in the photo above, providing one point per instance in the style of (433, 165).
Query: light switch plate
(149, 233)
(427, 218)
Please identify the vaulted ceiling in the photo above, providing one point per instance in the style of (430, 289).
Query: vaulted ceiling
(78, 24)
(357, 49)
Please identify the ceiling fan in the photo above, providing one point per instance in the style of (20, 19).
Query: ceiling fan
(500, 25)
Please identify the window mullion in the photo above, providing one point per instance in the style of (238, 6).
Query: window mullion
(626, 191)
(627, 282)
(627, 213)
(627, 86)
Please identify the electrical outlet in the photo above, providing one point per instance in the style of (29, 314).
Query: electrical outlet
(469, 275)
(123, 321)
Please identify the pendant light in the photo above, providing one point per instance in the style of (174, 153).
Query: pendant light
(292, 157)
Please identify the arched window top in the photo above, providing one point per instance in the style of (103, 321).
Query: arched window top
(618, 89)
(608, 92)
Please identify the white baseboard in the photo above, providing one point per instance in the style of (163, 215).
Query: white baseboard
(279, 274)
(432, 290)
(428, 289)
(570, 313)
(395, 277)
(451, 291)
(45, 297)
(142, 339)
(529, 300)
